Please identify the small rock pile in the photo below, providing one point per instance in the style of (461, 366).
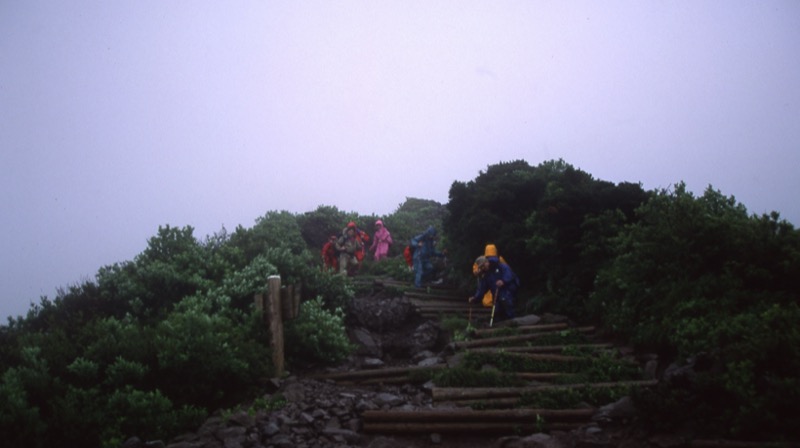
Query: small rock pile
(389, 328)
(323, 414)
(316, 414)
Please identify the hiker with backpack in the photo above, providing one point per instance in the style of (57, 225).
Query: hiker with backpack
(381, 241)
(348, 245)
(424, 248)
(498, 278)
(489, 251)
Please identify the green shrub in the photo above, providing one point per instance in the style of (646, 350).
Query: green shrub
(317, 335)
(203, 355)
(122, 372)
(601, 368)
(84, 371)
(336, 291)
(21, 422)
(147, 414)
(699, 276)
(574, 397)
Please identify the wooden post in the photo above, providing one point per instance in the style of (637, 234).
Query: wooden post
(286, 302)
(274, 318)
(298, 289)
(258, 300)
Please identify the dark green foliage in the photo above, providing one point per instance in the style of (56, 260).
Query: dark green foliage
(454, 323)
(163, 339)
(411, 218)
(572, 398)
(273, 230)
(602, 368)
(317, 336)
(551, 223)
(336, 291)
(203, 355)
(174, 265)
(564, 337)
(698, 276)
(148, 413)
(317, 226)
(492, 209)
(394, 268)
(509, 362)
(22, 391)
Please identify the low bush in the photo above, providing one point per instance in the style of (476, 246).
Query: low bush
(317, 336)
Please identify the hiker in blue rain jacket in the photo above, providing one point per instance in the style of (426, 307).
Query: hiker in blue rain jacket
(498, 278)
(424, 249)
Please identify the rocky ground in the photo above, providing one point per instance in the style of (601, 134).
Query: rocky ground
(321, 413)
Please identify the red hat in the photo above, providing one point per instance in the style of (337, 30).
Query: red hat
(351, 224)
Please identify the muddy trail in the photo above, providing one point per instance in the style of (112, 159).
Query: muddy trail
(430, 371)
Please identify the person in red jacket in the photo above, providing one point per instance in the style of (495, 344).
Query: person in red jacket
(330, 260)
(408, 255)
(364, 238)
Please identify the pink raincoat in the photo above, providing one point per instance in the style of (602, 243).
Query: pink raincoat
(381, 241)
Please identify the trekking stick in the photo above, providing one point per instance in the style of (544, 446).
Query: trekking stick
(494, 305)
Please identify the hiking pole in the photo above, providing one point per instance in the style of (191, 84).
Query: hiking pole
(494, 305)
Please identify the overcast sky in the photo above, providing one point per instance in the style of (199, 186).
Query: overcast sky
(120, 116)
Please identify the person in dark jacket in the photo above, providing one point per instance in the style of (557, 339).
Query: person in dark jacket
(424, 249)
(501, 280)
(490, 251)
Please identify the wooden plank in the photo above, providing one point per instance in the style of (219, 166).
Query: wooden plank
(468, 415)
(510, 339)
(522, 330)
(374, 373)
(467, 428)
(540, 349)
(482, 393)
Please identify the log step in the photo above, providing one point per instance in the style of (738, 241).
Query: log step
(374, 373)
(483, 393)
(539, 349)
(468, 428)
(483, 332)
(510, 339)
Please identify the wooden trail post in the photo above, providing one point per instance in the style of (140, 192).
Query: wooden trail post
(290, 301)
(279, 304)
(275, 321)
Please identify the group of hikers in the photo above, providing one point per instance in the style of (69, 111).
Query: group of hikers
(496, 283)
(345, 252)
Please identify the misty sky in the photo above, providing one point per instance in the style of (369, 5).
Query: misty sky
(120, 116)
